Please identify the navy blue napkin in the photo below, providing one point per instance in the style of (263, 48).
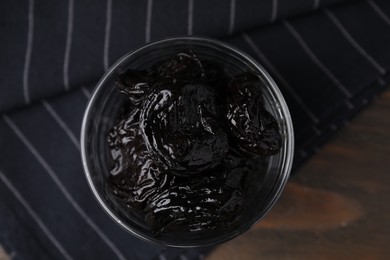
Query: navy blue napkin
(330, 59)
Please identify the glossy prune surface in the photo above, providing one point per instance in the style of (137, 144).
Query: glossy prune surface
(190, 143)
(254, 129)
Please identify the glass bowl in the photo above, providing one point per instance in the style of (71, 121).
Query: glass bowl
(103, 109)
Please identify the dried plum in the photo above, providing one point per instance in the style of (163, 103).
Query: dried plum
(135, 84)
(183, 148)
(182, 129)
(183, 208)
(184, 66)
(254, 129)
(134, 174)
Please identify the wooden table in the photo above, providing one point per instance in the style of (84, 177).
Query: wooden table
(338, 204)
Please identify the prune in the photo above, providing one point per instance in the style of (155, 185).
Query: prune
(181, 128)
(135, 84)
(134, 174)
(184, 208)
(254, 129)
(184, 66)
(182, 150)
(246, 88)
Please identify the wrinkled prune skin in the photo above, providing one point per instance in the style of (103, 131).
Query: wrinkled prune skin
(135, 84)
(186, 146)
(184, 67)
(181, 128)
(129, 154)
(254, 129)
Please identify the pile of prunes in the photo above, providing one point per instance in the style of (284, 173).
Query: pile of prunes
(186, 141)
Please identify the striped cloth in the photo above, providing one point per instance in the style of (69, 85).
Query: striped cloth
(329, 57)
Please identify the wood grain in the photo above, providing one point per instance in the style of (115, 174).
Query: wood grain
(337, 206)
(305, 208)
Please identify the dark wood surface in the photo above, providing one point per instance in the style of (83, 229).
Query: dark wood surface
(338, 204)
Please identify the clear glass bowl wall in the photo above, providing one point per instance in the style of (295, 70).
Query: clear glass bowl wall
(102, 112)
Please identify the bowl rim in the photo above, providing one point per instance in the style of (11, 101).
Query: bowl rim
(285, 112)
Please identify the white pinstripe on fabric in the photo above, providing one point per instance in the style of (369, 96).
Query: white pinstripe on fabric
(349, 105)
(149, 10)
(183, 257)
(86, 92)
(315, 59)
(107, 34)
(381, 82)
(263, 58)
(68, 46)
(30, 39)
(34, 216)
(232, 16)
(62, 188)
(190, 16)
(317, 131)
(61, 122)
(274, 11)
(12, 255)
(379, 11)
(316, 4)
(161, 256)
(353, 42)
